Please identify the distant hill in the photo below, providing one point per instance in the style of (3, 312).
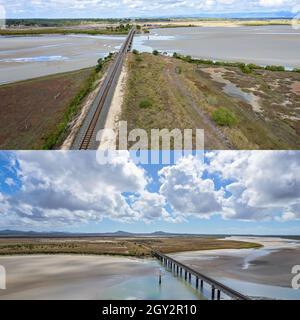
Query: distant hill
(23, 234)
(16, 233)
(120, 234)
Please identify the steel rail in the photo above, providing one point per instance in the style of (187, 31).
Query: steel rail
(97, 115)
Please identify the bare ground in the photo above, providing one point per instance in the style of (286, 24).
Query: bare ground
(31, 110)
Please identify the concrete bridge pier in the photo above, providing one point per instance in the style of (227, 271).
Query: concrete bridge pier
(213, 290)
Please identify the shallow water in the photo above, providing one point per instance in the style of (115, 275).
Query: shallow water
(262, 291)
(234, 91)
(147, 287)
(33, 56)
(92, 277)
(264, 45)
(29, 57)
(23, 58)
(238, 266)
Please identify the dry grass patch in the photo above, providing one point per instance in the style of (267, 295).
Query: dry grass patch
(184, 95)
(31, 111)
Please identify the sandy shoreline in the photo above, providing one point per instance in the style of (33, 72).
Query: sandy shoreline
(217, 23)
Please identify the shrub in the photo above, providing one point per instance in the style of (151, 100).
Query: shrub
(246, 69)
(111, 54)
(134, 51)
(240, 65)
(155, 52)
(224, 117)
(275, 68)
(296, 70)
(216, 63)
(253, 66)
(144, 104)
(188, 59)
(99, 65)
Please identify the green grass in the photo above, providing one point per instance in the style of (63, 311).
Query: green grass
(25, 32)
(224, 117)
(138, 59)
(145, 104)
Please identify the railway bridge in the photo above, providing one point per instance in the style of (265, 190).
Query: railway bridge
(182, 270)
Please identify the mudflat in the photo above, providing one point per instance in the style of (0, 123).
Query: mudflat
(270, 265)
(67, 276)
(27, 57)
(264, 45)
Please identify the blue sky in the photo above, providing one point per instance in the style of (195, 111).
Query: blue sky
(136, 8)
(229, 192)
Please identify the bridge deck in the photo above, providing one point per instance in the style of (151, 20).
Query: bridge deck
(213, 283)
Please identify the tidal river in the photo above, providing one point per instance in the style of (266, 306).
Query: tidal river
(263, 45)
(29, 57)
(260, 273)
(90, 277)
(24, 58)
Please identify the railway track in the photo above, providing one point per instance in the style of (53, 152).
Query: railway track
(95, 120)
